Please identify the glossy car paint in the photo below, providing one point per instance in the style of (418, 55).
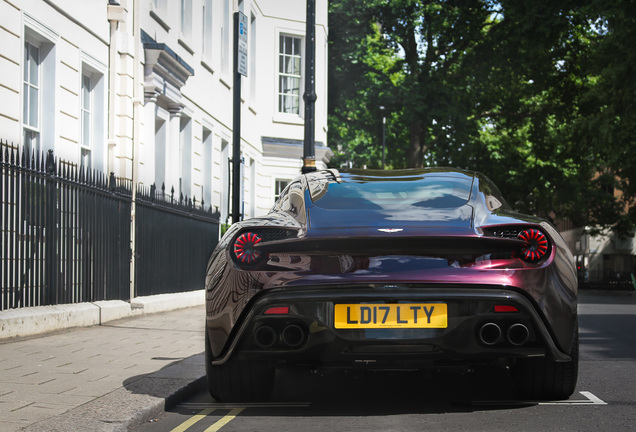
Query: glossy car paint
(446, 254)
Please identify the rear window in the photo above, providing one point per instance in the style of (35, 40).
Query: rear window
(445, 192)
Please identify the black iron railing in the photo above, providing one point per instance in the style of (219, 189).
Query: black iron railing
(66, 235)
(177, 233)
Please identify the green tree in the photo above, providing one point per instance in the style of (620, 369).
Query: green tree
(538, 95)
(404, 55)
(605, 130)
(525, 78)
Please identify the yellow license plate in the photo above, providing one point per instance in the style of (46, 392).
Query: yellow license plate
(400, 315)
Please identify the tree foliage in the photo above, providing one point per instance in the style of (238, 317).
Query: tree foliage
(538, 95)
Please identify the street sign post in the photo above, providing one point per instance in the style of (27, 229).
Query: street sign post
(240, 68)
(242, 44)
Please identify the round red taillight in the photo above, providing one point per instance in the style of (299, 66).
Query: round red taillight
(537, 244)
(244, 247)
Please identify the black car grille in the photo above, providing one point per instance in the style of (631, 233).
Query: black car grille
(275, 234)
(510, 233)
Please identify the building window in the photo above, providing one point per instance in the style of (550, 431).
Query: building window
(38, 86)
(31, 95)
(252, 58)
(160, 152)
(252, 185)
(226, 39)
(86, 121)
(206, 193)
(92, 123)
(186, 19)
(289, 74)
(225, 180)
(207, 29)
(279, 187)
(160, 5)
(185, 156)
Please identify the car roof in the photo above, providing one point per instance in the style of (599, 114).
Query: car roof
(368, 175)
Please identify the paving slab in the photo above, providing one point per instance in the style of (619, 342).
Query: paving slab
(108, 377)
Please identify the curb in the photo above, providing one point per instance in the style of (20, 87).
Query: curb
(614, 293)
(139, 399)
(31, 321)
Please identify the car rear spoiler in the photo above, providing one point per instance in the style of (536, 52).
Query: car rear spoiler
(438, 245)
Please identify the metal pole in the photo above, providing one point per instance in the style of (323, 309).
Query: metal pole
(137, 105)
(382, 110)
(236, 130)
(309, 151)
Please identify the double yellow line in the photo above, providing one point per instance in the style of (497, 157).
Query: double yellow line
(215, 427)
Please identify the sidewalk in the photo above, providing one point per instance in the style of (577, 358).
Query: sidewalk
(108, 377)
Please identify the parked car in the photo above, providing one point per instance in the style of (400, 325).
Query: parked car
(409, 269)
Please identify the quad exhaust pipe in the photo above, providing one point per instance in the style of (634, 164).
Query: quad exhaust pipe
(292, 336)
(491, 334)
(265, 336)
(518, 334)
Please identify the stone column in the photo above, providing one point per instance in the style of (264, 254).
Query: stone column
(146, 154)
(172, 150)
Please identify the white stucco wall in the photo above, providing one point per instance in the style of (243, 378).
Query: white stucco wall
(80, 34)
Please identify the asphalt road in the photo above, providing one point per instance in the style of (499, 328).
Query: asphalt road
(605, 398)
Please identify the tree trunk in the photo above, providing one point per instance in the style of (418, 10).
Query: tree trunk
(416, 145)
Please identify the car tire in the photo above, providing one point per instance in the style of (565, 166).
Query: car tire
(238, 380)
(546, 379)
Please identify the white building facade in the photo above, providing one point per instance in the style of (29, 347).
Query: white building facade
(143, 88)
(604, 260)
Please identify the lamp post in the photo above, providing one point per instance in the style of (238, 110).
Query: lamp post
(309, 150)
(382, 110)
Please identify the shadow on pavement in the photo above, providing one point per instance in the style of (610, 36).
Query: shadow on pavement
(172, 383)
(299, 393)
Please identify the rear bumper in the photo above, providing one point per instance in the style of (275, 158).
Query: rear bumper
(306, 335)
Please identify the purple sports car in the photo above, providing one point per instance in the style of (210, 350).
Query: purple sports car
(386, 270)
